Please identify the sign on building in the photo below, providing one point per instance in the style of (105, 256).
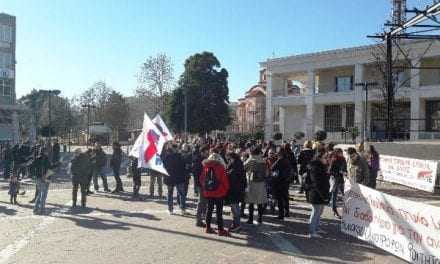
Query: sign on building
(407, 229)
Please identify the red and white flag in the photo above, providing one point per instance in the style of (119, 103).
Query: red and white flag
(148, 147)
(158, 121)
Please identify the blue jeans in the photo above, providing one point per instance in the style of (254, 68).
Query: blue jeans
(317, 210)
(40, 202)
(235, 208)
(181, 195)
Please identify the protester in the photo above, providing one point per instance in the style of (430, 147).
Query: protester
(305, 157)
(256, 193)
(136, 173)
(337, 169)
(41, 166)
(358, 170)
(215, 187)
(80, 169)
(187, 158)
(281, 172)
(13, 189)
(202, 202)
(196, 168)
(373, 165)
(237, 182)
(156, 177)
(115, 164)
(175, 166)
(317, 191)
(99, 161)
(89, 153)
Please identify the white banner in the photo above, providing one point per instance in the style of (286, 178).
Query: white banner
(415, 173)
(407, 229)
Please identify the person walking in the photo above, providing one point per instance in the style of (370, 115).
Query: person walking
(99, 161)
(256, 192)
(175, 166)
(358, 170)
(215, 187)
(41, 166)
(317, 191)
(13, 189)
(55, 153)
(115, 164)
(80, 169)
(373, 160)
(237, 183)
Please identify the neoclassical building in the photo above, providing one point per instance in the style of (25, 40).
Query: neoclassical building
(322, 91)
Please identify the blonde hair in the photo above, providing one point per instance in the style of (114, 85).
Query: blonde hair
(308, 144)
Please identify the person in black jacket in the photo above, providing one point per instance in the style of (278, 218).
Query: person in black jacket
(281, 170)
(338, 167)
(317, 190)
(115, 164)
(196, 168)
(305, 157)
(80, 169)
(175, 166)
(237, 182)
(99, 161)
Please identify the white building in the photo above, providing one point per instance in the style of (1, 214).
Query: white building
(327, 99)
(8, 108)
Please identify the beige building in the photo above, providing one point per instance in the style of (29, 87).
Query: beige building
(250, 110)
(9, 130)
(317, 91)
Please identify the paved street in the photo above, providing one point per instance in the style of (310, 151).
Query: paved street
(115, 228)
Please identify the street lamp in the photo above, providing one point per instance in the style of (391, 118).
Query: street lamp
(49, 93)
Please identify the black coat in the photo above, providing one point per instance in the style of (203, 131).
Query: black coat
(237, 181)
(305, 157)
(81, 168)
(317, 183)
(281, 171)
(175, 166)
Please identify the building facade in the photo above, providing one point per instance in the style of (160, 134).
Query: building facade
(250, 110)
(324, 91)
(9, 130)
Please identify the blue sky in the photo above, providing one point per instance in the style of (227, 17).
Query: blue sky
(69, 45)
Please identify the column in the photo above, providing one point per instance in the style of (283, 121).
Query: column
(268, 131)
(310, 105)
(15, 128)
(359, 99)
(415, 103)
(282, 121)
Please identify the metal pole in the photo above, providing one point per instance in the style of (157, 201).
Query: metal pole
(88, 126)
(366, 113)
(389, 86)
(50, 118)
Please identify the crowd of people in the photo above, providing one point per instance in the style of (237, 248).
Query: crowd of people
(241, 175)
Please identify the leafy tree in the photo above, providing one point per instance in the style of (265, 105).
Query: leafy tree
(97, 96)
(205, 85)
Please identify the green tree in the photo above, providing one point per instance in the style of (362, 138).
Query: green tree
(206, 86)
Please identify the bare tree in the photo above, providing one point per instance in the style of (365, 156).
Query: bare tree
(156, 79)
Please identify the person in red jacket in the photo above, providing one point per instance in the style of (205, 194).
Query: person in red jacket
(215, 187)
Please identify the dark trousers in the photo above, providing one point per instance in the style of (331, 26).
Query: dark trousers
(218, 210)
(118, 179)
(260, 212)
(83, 187)
(136, 183)
(99, 172)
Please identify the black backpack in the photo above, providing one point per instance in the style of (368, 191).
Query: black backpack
(211, 180)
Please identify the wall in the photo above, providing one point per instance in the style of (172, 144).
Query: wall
(294, 120)
(430, 77)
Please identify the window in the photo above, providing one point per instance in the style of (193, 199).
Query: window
(433, 115)
(5, 87)
(349, 115)
(5, 60)
(332, 118)
(344, 83)
(5, 33)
